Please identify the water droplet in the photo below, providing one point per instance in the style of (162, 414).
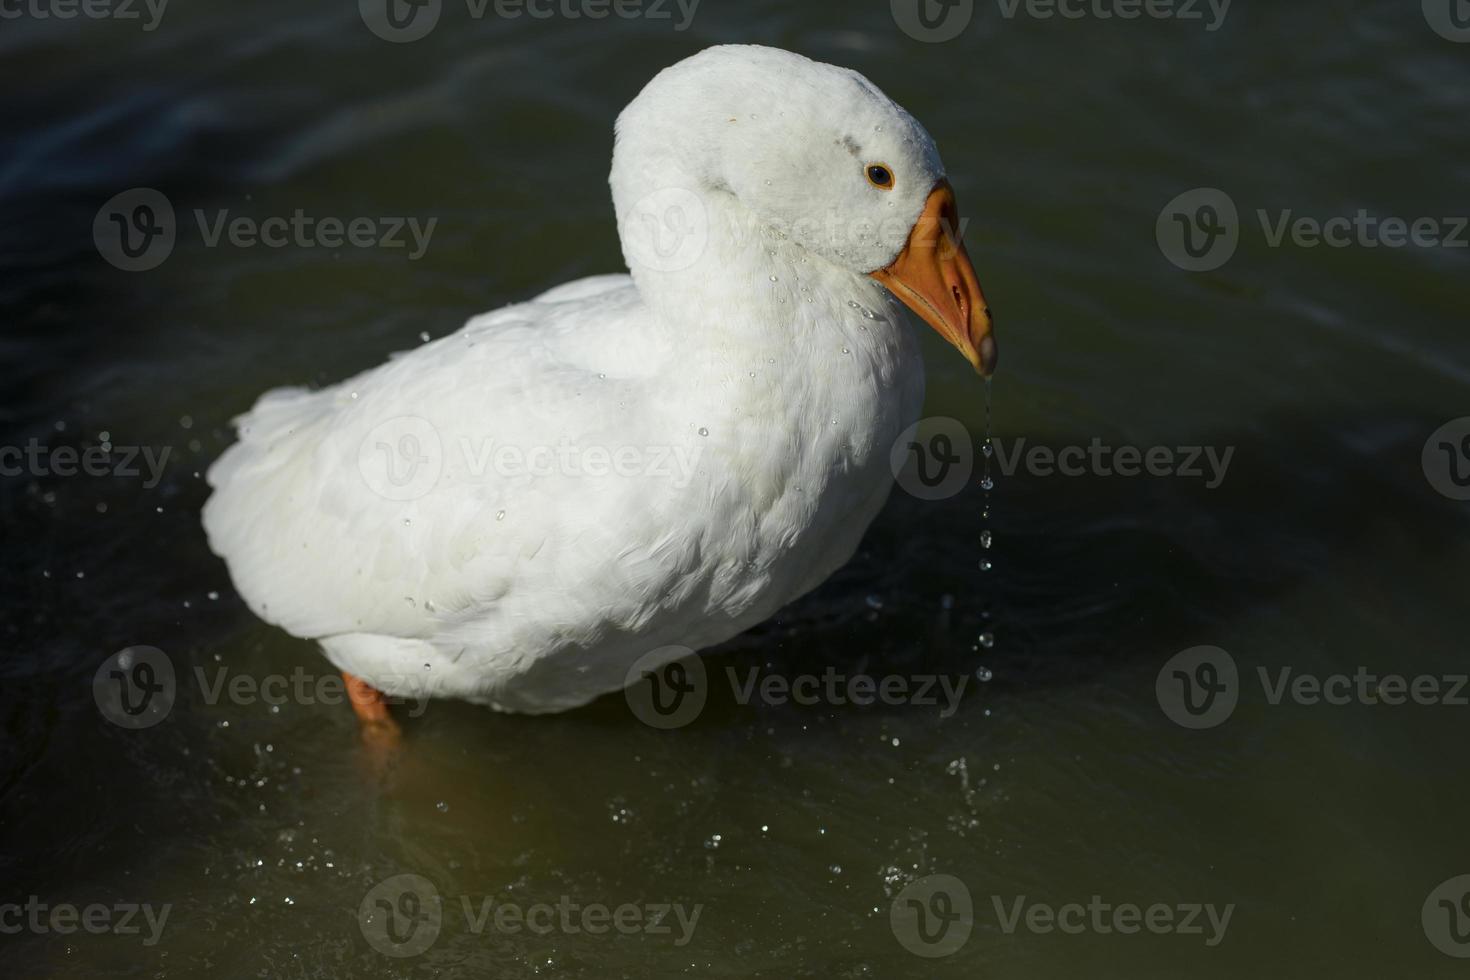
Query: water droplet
(987, 483)
(774, 279)
(986, 566)
(703, 431)
(987, 640)
(984, 674)
(409, 599)
(442, 807)
(500, 515)
(424, 336)
(986, 539)
(874, 602)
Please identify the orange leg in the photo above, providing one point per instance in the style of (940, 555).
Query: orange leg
(371, 707)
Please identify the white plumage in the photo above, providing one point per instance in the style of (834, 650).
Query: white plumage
(698, 444)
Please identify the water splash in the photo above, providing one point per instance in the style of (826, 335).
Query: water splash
(987, 537)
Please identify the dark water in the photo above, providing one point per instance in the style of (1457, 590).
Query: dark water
(1325, 548)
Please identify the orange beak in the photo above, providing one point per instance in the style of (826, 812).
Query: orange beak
(934, 278)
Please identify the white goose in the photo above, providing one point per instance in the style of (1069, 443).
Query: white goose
(516, 513)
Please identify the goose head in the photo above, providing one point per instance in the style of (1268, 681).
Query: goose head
(744, 144)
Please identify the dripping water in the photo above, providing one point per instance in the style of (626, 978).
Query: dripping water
(986, 639)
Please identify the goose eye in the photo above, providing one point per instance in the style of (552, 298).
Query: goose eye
(880, 176)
